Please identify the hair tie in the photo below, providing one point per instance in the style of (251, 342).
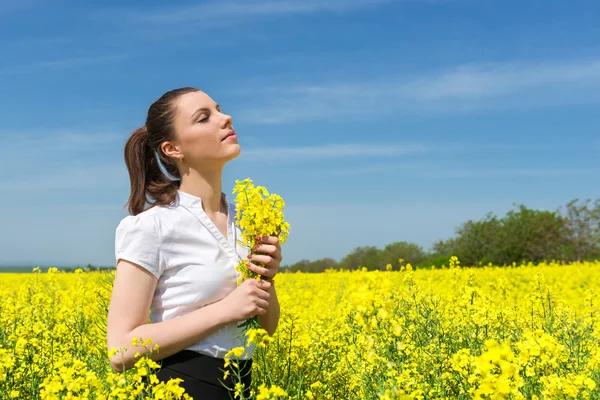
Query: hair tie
(163, 169)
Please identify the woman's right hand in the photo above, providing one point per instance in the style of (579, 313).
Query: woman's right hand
(249, 299)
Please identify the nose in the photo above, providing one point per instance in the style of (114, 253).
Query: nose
(227, 120)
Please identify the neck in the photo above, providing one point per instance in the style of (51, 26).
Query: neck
(205, 184)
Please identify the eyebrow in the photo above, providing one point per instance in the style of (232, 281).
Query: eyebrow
(204, 109)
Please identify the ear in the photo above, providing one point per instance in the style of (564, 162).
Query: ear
(170, 150)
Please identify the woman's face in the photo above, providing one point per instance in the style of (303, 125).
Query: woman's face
(203, 134)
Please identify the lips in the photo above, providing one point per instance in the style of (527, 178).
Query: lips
(230, 134)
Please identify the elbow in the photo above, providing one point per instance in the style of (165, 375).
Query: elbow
(118, 363)
(118, 358)
(271, 327)
(272, 330)
(270, 322)
(117, 367)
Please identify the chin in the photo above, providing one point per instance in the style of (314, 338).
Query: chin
(234, 152)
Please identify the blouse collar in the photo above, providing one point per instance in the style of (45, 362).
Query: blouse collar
(190, 200)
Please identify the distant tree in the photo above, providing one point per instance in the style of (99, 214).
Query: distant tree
(367, 256)
(443, 248)
(583, 229)
(530, 235)
(323, 264)
(409, 252)
(301, 265)
(313, 266)
(476, 241)
(522, 235)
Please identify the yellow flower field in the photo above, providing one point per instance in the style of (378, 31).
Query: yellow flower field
(529, 332)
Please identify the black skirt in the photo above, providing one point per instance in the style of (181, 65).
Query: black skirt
(203, 375)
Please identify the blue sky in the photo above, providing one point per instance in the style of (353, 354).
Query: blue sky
(377, 121)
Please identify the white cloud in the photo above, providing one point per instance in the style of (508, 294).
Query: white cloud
(427, 171)
(488, 80)
(63, 160)
(507, 173)
(9, 7)
(190, 19)
(36, 43)
(374, 168)
(218, 12)
(383, 150)
(52, 182)
(64, 63)
(462, 89)
(60, 140)
(339, 150)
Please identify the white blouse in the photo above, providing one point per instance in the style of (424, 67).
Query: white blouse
(193, 261)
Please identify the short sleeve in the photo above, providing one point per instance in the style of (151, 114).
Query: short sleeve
(137, 240)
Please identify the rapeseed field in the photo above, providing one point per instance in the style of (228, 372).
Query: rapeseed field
(516, 332)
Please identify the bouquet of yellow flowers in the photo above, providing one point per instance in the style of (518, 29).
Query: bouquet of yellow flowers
(258, 213)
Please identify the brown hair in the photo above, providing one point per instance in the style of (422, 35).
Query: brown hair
(146, 178)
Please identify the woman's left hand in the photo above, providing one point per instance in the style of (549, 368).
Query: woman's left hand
(271, 257)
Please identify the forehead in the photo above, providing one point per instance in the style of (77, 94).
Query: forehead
(188, 103)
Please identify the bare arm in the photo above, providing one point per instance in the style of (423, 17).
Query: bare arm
(271, 259)
(131, 299)
(132, 293)
(270, 320)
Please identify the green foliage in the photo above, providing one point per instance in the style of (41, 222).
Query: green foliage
(433, 261)
(583, 230)
(409, 252)
(527, 235)
(369, 256)
(522, 235)
(530, 235)
(476, 240)
(314, 266)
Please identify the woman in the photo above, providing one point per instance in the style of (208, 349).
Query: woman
(178, 257)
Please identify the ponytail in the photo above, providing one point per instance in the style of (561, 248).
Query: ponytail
(145, 176)
(144, 158)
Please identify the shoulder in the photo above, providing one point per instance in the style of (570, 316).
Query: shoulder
(153, 224)
(148, 221)
(139, 238)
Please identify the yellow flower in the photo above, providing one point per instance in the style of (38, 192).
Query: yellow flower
(525, 331)
(235, 352)
(273, 392)
(259, 213)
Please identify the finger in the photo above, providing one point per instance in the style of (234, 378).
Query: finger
(261, 283)
(274, 240)
(277, 255)
(262, 303)
(259, 270)
(265, 283)
(263, 294)
(252, 282)
(265, 248)
(261, 311)
(273, 251)
(261, 258)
